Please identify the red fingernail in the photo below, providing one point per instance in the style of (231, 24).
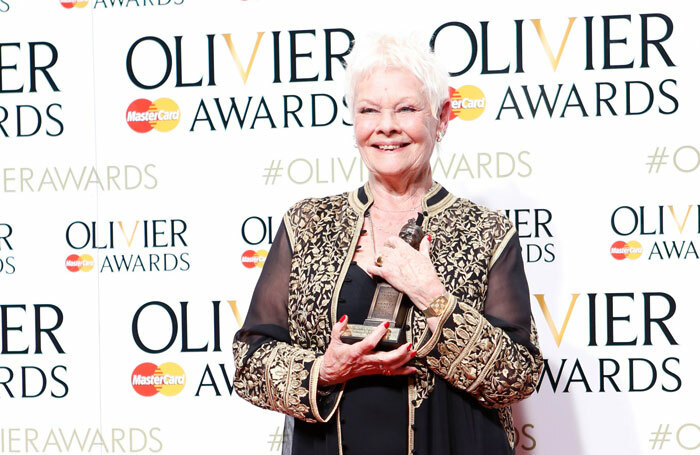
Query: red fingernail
(413, 354)
(408, 348)
(343, 318)
(386, 325)
(429, 238)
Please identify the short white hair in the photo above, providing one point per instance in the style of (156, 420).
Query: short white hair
(402, 52)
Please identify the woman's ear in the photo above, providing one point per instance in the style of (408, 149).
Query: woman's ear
(444, 117)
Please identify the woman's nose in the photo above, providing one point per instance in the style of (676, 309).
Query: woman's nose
(388, 123)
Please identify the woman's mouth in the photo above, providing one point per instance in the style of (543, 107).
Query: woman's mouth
(389, 147)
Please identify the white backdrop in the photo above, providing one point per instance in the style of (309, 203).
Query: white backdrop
(166, 225)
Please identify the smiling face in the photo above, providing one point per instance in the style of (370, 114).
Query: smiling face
(394, 128)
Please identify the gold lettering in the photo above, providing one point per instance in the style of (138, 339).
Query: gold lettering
(236, 314)
(234, 54)
(545, 43)
(131, 239)
(680, 226)
(558, 335)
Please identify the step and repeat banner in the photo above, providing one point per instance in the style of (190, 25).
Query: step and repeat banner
(148, 149)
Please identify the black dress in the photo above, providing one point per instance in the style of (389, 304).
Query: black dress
(372, 417)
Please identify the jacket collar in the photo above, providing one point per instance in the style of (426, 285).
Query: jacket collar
(435, 200)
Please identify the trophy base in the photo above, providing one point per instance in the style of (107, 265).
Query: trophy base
(394, 337)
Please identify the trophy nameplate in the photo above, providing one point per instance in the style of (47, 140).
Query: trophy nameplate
(388, 304)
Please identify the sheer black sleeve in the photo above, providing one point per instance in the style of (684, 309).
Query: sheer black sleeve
(507, 303)
(271, 371)
(267, 314)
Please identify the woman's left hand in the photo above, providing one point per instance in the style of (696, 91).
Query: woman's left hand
(409, 271)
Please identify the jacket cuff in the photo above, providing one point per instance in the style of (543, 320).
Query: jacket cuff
(430, 343)
(278, 376)
(466, 349)
(323, 404)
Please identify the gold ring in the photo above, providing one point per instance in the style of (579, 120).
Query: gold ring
(379, 261)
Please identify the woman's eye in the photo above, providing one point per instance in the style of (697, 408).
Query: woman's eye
(366, 110)
(407, 109)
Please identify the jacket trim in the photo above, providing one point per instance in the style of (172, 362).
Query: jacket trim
(290, 231)
(435, 336)
(412, 396)
(435, 200)
(501, 246)
(313, 391)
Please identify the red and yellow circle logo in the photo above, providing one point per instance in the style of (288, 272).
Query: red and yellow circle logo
(467, 102)
(149, 379)
(68, 4)
(626, 250)
(162, 115)
(82, 263)
(251, 259)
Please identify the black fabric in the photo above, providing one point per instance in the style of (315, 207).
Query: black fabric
(507, 302)
(267, 314)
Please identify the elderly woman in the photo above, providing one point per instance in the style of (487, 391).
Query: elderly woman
(471, 347)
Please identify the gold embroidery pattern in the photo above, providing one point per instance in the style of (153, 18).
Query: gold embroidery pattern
(322, 241)
(275, 377)
(470, 354)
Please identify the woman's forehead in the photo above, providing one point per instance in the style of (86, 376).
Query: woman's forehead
(390, 81)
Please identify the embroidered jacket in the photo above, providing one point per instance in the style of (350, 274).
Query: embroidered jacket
(279, 371)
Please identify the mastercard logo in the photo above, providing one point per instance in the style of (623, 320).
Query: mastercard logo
(626, 250)
(149, 379)
(467, 102)
(73, 4)
(82, 263)
(251, 259)
(162, 115)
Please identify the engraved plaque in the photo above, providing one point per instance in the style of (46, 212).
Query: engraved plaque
(385, 300)
(388, 304)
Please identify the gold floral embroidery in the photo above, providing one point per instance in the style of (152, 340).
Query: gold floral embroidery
(275, 377)
(469, 352)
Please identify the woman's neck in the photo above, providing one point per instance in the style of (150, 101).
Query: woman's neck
(400, 194)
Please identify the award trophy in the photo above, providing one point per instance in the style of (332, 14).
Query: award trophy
(388, 304)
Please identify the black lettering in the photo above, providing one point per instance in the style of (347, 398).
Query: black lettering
(599, 99)
(670, 373)
(293, 112)
(185, 332)
(5, 329)
(33, 68)
(294, 56)
(609, 377)
(655, 42)
(612, 318)
(168, 63)
(509, 94)
(472, 40)
(135, 327)
(38, 329)
(178, 66)
(607, 42)
(485, 53)
(8, 67)
(329, 52)
(659, 321)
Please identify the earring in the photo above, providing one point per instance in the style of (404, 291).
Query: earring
(440, 135)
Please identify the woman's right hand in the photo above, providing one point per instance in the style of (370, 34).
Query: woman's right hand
(343, 361)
